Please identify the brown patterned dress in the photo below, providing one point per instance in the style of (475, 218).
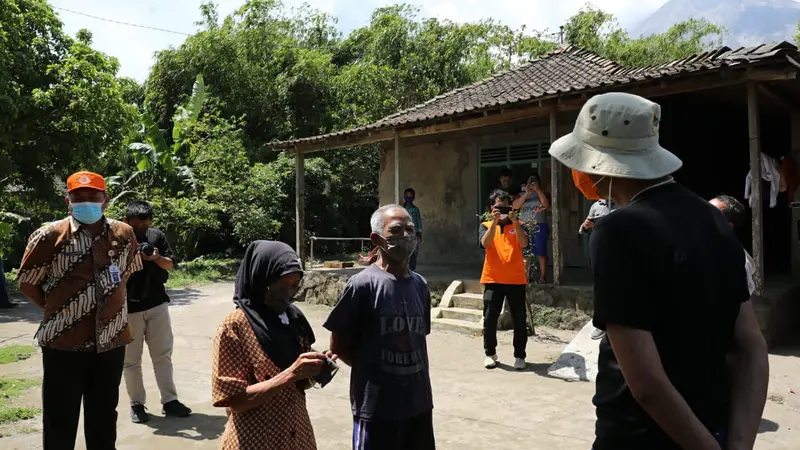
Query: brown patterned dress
(282, 423)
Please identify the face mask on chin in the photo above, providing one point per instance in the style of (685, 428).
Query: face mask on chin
(87, 213)
(400, 248)
(588, 188)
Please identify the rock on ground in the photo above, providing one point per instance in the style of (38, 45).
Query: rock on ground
(578, 361)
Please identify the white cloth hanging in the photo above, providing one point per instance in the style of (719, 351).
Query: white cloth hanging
(750, 270)
(769, 172)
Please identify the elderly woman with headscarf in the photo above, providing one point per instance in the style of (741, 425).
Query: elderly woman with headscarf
(262, 357)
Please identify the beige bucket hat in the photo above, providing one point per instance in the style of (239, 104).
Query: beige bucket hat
(616, 135)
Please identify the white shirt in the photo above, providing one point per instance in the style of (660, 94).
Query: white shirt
(750, 268)
(599, 208)
(769, 172)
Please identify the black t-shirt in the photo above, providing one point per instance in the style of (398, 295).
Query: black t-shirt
(667, 263)
(146, 288)
(388, 319)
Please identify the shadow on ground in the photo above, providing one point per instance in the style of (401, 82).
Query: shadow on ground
(28, 312)
(544, 336)
(24, 312)
(537, 368)
(197, 427)
(768, 426)
(184, 296)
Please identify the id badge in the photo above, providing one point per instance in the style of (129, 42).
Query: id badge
(113, 269)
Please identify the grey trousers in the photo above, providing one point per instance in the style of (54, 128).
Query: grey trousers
(154, 328)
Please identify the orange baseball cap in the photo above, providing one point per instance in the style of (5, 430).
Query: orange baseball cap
(85, 179)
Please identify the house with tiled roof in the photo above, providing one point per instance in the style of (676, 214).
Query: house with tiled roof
(720, 111)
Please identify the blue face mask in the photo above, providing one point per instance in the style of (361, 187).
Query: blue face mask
(87, 213)
(409, 199)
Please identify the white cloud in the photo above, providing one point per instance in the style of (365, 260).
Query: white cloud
(135, 47)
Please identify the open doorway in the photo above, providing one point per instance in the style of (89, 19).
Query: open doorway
(522, 158)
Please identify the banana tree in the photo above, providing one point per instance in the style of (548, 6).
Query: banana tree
(155, 154)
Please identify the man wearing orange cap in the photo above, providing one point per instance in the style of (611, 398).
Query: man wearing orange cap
(75, 270)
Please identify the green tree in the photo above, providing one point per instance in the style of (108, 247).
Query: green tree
(61, 106)
(273, 73)
(598, 31)
(61, 110)
(797, 35)
(271, 68)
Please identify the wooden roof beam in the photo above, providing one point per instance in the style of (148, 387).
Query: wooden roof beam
(771, 75)
(777, 98)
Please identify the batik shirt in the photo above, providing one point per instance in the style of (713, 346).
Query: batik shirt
(83, 278)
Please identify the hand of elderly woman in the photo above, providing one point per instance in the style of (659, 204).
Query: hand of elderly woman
(307, 365)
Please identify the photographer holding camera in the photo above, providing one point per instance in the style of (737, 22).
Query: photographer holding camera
(503, 277)
(148, 315)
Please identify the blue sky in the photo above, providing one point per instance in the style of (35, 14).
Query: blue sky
(135, 47)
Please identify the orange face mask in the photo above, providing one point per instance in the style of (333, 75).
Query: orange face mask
(585, 185)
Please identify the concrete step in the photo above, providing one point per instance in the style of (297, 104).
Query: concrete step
(458, 326)
(468, 301)
(467, 315)
(472, 286)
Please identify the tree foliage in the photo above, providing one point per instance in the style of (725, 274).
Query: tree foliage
(61, 106)
(193, 138)
(599, 31)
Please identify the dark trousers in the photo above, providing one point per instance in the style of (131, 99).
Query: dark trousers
(415, 433)
(412, 264)
(70, 377)
(493, 297)
(3, 288)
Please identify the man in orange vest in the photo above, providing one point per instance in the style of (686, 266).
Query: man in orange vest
(503, 277)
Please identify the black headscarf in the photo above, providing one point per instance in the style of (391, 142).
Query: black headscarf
(263, 264)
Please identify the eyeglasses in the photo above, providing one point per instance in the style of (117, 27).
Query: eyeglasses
(144, 217)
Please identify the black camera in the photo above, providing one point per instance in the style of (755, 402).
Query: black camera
(325, 376)
(147, 249)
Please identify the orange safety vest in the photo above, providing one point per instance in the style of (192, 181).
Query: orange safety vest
(503, 263)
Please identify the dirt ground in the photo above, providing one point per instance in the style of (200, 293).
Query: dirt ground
(475, 408)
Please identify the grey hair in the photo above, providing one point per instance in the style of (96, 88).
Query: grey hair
(376, 221)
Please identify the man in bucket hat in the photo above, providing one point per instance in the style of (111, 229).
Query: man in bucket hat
(669, 289)
(75, 269)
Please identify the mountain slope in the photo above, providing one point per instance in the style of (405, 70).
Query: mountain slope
(749, 22)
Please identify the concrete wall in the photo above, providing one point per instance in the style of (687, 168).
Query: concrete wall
(444, 172)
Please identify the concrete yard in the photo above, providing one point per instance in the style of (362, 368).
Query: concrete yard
(475, 408)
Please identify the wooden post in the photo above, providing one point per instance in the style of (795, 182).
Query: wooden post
(300, 205)
(555, 204)
(397, 169)
(794, 159)
(756, 191)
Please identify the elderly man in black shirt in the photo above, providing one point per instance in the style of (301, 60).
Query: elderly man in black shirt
(149, 319)
(669, 289)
